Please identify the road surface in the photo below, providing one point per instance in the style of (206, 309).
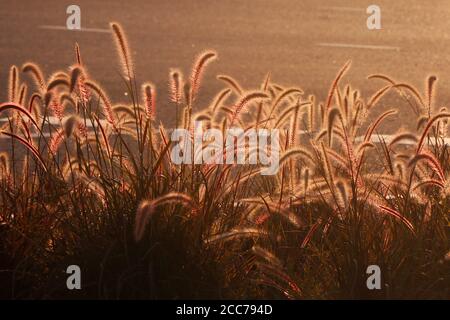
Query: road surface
(301, 42)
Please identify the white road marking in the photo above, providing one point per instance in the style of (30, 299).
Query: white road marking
(97, 30)
(352, 9)
(357, 46)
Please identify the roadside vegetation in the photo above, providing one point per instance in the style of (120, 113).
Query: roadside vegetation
(88, 182)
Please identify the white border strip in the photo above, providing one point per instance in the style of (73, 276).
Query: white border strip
(375, 138)
(357, 46)
(62, 28)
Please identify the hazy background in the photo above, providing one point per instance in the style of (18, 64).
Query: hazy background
(251, 38)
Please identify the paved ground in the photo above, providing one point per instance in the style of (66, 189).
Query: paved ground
(301, 43)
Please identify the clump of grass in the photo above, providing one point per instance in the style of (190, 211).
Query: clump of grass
(88, 182)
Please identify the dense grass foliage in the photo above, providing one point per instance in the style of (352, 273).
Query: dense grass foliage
(85, 181)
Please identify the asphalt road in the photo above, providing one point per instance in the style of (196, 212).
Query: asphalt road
(301, 42)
